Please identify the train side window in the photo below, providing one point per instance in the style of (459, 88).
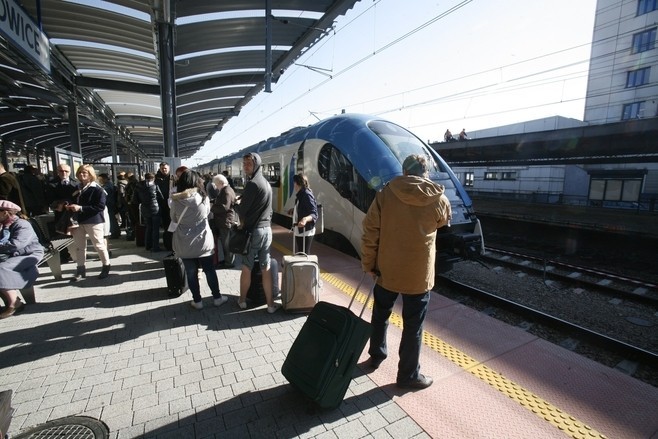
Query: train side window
(272, 171)
(323, 162)
(336, 169)
(300, 158)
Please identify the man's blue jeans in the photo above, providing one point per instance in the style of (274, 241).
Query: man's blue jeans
(414, 310)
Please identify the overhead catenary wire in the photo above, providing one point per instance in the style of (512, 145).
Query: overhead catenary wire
(537, 78)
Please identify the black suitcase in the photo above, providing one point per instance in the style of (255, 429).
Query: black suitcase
(140, 235)
(175, 274)
(255, 293)
(167, 238)
(322, 358)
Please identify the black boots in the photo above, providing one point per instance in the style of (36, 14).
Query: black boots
(79, 273)
(105, 272)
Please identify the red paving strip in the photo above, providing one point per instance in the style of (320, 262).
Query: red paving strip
(484, 370)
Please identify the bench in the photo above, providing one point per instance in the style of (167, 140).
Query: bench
(51, 249)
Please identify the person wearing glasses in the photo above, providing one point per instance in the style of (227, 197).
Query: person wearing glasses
(60, 194)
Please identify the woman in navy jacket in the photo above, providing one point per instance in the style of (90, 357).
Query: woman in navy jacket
(304, 215)
(90, 205)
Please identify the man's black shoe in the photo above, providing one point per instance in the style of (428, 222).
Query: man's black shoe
(422, 382)
(375, 362)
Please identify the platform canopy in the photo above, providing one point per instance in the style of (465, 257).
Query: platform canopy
(99, 65)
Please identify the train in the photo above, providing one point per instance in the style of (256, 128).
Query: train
(347, 158)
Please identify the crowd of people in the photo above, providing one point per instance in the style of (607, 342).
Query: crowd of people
(205, 210)
(198, 216)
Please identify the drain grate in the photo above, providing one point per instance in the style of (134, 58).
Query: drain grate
(71, 427)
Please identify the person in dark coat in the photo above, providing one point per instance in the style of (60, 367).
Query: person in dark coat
(304, 214)
(133, 209)
(122, 201)
(223, 218)
(21, 251)
(10, 189)
(150, 199)
(60, 193)
(164, 181)
(111, 204)
(34, 191)
(90, 208)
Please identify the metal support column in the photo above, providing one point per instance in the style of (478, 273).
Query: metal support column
(74, 128)
(167, 79)
(113, 148)
(268, 46)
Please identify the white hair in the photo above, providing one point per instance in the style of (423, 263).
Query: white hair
(219, 178)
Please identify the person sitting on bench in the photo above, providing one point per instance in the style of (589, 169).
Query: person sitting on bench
(20, 252)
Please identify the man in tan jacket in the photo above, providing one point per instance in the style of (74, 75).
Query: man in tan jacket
(398, 243)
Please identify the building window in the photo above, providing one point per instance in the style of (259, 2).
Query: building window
(638, 77)
(613, 189)
(468, 179)
(632, 111)
(490, 176)
(644, 41)
(646, 6)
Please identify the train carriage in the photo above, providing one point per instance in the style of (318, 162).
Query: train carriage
(347, 158)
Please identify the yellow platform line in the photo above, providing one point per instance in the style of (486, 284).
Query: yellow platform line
(568, 424)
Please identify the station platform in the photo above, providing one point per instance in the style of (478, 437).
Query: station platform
(121, 351)
(633, 223)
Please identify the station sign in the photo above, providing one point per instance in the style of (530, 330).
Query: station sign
(18, 27)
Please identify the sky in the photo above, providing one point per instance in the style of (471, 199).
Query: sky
(429, 66)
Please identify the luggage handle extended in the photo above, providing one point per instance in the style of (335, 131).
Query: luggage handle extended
(358, 287)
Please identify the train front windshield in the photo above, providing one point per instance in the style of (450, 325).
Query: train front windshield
(401, 144)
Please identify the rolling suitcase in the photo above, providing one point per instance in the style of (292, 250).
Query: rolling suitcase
(255, 293)
(140, 230)
(175, 274)
(323, 356)
(300, 283)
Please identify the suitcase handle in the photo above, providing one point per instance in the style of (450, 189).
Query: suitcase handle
(369, 293)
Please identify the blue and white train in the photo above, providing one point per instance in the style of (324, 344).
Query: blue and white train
(347, 158)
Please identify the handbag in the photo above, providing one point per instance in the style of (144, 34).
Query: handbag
(174, 225)
(239, 241)
(67, 222)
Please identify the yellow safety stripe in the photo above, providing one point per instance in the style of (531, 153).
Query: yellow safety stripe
(568, 424)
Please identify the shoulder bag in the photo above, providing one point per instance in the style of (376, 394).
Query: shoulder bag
(239, 241)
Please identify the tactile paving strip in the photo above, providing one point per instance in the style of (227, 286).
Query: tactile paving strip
(535, 404)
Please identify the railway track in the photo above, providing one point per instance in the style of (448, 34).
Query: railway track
(623, 287)
(604, 341)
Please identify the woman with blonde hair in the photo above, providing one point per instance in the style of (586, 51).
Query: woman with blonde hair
(90, 207)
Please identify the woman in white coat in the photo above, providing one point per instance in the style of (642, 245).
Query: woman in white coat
(193, 240)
